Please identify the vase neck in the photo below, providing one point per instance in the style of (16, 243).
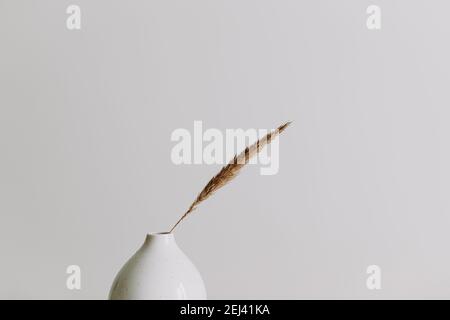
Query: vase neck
(159, 239)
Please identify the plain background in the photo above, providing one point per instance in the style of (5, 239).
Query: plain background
(86, 118)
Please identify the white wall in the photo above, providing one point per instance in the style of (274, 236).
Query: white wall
(86, 118)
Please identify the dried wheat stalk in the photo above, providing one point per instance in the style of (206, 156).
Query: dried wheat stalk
(231, 170)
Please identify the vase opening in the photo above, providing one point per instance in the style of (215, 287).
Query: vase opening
(159, 237)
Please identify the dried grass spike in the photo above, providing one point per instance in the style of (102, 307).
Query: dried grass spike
(231, 170)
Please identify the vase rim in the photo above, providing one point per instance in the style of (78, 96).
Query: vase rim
(160, 234)
(159, 237)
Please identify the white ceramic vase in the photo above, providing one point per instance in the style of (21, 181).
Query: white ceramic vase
(158, 270)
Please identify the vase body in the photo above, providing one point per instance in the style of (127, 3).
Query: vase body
(158, 270)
